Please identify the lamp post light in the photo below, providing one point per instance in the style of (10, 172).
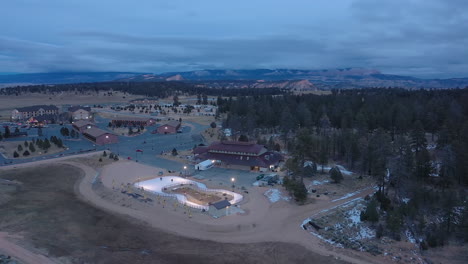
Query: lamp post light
(233, 180)
(185, 171)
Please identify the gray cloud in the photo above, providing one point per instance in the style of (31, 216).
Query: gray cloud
(409, 37)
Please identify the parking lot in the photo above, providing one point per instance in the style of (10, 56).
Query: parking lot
(222, 177)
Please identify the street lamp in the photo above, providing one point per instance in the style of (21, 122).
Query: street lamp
(233, 180)
(185, 171)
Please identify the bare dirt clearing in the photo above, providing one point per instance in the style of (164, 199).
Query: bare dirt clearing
(55, 223)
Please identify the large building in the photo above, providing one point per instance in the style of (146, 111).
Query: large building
(82, 125)
(245, 154)
(133, 121)
(170, 127)
(80, 112)
(24, 113)
(99, 136)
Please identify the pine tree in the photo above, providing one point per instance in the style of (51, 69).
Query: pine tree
(336, 175)
(32, 148)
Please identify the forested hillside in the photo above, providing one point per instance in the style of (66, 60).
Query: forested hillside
(414, 143)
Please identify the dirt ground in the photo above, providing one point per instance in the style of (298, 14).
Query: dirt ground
(53, 221)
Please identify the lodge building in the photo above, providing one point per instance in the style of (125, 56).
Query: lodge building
(24, 113)
(80, 112)
(170, 127)
(99, 136)
(244, 154)
(82, 125)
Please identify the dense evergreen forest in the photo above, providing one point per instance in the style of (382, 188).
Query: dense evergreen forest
(414, 143)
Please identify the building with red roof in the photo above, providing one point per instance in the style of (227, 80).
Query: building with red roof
(246, 154)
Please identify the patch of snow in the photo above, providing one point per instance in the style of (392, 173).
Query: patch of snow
(315, 182)
(257, 183)
(306, 221)
(365, 232)
(274, 195)
(328, 168)
(354, 216)
(344, 205)
(410, 237)
(344, 170)
(431, 146)
(405, 200)
(349, 195)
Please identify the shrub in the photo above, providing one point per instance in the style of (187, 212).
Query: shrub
(100, 159)
(26, 153)
(15, 154)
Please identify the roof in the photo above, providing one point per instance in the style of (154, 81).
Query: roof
(221, 204)
(82, 123)
(206, 162)
(200, 150)
(132, 118)
(236, 146)
(78, 107)
(263, 161)
(172, 123)
(37, 107)
(95, 132)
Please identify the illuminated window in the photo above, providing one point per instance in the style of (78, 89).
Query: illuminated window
(107, 136)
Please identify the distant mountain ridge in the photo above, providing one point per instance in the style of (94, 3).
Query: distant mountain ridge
(322, 79)
(291, 79)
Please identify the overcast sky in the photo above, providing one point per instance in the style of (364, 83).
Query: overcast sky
(423, 38)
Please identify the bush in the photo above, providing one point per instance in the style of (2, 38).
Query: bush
(100, 159)
(174, 152)
(15, 154)
(26, 153)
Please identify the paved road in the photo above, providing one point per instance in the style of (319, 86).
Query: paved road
(150, 144)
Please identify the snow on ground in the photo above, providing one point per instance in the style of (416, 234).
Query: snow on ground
(343, 226)
(405, 200)
(315, 182)
(328, 168)
(274, 195)
(349, 195)
(431, 146)
(410, 236)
